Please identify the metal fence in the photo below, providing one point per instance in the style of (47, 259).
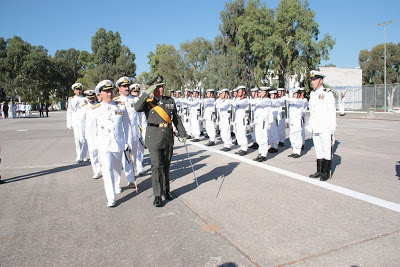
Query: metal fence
(369, 96)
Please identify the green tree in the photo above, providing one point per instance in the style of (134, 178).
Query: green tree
(195, 55)
(295, 45)
(372, 65)
(167, 62)
(67, 69)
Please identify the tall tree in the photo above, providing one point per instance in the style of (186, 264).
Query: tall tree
(167, 62)
(195, 55)
(294, 41)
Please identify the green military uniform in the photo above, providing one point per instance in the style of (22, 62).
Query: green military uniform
(159, 138)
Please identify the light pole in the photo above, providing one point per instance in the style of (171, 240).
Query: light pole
(384, 26)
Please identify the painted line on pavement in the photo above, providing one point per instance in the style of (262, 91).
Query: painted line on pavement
(338, 189)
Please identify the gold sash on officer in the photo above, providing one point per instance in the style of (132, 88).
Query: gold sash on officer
(159, 111)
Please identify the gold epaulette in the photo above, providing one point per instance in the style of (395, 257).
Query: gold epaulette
(84, 104)
(115, 98)
(96, 106)
(327, 89)
(70, 97)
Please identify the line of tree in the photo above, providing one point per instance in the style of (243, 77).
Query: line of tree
(255, 43)
(31, 73)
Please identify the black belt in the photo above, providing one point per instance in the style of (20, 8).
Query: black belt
(162, 125)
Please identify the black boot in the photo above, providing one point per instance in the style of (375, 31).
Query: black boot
(157, 201)
(326, 170)
(319, 169)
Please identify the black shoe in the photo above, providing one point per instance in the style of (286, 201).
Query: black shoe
(210, 143)
(254, 146)
(195, 140)
(242, 153)
(168, 195)
(281, 144)
(272, 150)
(302, 147)
(238, 152)
(296, 156)
(225, 149)
(324, 176)
(1, 182)
(157, 201)
(259, 155)
(261, 159)
(188, 137)
(291, 155)
(206, 136)
(235, 142)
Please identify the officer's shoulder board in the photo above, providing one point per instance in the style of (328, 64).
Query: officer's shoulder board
(96, 106)
(84, 104)
(70, 97)
(327, 90)
(116, 98)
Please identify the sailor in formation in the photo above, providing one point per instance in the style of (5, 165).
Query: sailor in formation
(126, 99)
(89, 119)
(209, 116)
(75, 121)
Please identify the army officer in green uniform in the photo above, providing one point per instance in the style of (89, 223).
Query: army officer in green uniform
(160, 112)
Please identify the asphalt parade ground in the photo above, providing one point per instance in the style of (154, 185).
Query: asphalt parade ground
(242, 213)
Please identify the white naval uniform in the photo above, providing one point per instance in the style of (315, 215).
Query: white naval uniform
(114, 131)
(282, 121)
(143, 125)
(209, 117)
(128, 166)
(296, 106)
(252, 102)
(341, 104)
(223, 107)
(303, 132)
(322, 122)
(185, 106)
(90, 136)
(273, 122)
(75, 120)
(194, 106)
(261, 122)
(241, 105)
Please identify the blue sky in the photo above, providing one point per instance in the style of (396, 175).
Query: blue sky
(144, 24)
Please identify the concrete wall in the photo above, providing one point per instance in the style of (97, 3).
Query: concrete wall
(342, 76)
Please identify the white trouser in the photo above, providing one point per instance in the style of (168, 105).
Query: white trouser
(322, 144)
(240, 127)
(80, 141)
(93, 155)
(282, 130)
(139, 158)
(273, 134)
(186, 124)
(295, 131)
(129, 165)
(210, 128)
(261, 133)
(303, 128)
(195, 126)
(341, 108)
(111, 170)
(225, 132)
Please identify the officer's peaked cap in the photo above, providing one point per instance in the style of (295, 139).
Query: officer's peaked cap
(135, 87)
(316, 74)
(77, 86)
(104, 85)
(123, 81)
(90, 93)
(156, 80)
